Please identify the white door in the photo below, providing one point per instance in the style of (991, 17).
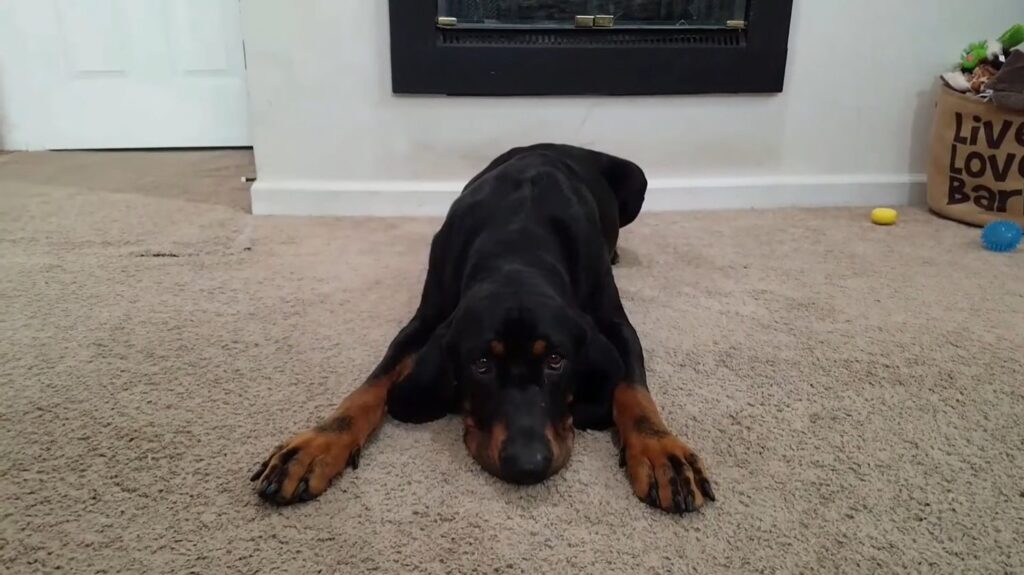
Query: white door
(123, 73)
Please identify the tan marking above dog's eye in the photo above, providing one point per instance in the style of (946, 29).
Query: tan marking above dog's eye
(498, 348)
(540, 347)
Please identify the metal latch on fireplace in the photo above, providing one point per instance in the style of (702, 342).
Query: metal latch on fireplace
(595, 21)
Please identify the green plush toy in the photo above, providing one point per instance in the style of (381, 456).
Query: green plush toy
(977, 53)
(1012, 38)
(974, 55)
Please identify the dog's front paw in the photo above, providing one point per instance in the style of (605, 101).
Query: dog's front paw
(303, 467)
(665, 473)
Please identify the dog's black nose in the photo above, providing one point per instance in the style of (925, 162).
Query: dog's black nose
(525, 462)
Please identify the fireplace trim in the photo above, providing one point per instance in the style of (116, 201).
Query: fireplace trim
(428, 59)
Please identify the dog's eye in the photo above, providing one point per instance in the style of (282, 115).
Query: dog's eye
(554, 362)
(482, 366)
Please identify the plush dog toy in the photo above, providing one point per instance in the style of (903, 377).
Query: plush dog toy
(981, 61)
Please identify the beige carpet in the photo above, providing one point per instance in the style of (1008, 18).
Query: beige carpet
(857, 392)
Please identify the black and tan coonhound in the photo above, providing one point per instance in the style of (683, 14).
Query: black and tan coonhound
(520, 329)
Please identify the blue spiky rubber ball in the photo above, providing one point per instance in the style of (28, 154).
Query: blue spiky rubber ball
(1001, 236)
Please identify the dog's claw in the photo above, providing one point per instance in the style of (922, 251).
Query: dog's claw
(270, 490)
(652, 495)
(257, 471)
(353, 460)
(302, 493)
(677, 496)
(705, 488)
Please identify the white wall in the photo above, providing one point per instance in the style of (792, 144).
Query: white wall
(851, 127)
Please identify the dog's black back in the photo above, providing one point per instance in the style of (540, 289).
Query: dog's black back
(538, 201)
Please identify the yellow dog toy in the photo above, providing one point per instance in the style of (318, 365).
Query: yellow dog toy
(884, 216)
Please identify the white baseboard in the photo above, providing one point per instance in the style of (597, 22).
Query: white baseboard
(411, 198)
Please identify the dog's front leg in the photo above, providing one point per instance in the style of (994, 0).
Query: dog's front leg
(662, 470)
(304, 466)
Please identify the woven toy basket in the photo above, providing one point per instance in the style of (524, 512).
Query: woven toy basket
(976, 161)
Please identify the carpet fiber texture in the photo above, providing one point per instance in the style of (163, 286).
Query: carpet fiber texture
(857, 392)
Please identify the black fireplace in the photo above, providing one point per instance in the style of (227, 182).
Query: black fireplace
(579, 47)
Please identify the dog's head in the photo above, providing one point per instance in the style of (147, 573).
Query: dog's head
(510, 361)
(516, 361)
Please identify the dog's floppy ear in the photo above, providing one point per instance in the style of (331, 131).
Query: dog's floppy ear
(600, 370)
(601, 357)
(428, 392)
